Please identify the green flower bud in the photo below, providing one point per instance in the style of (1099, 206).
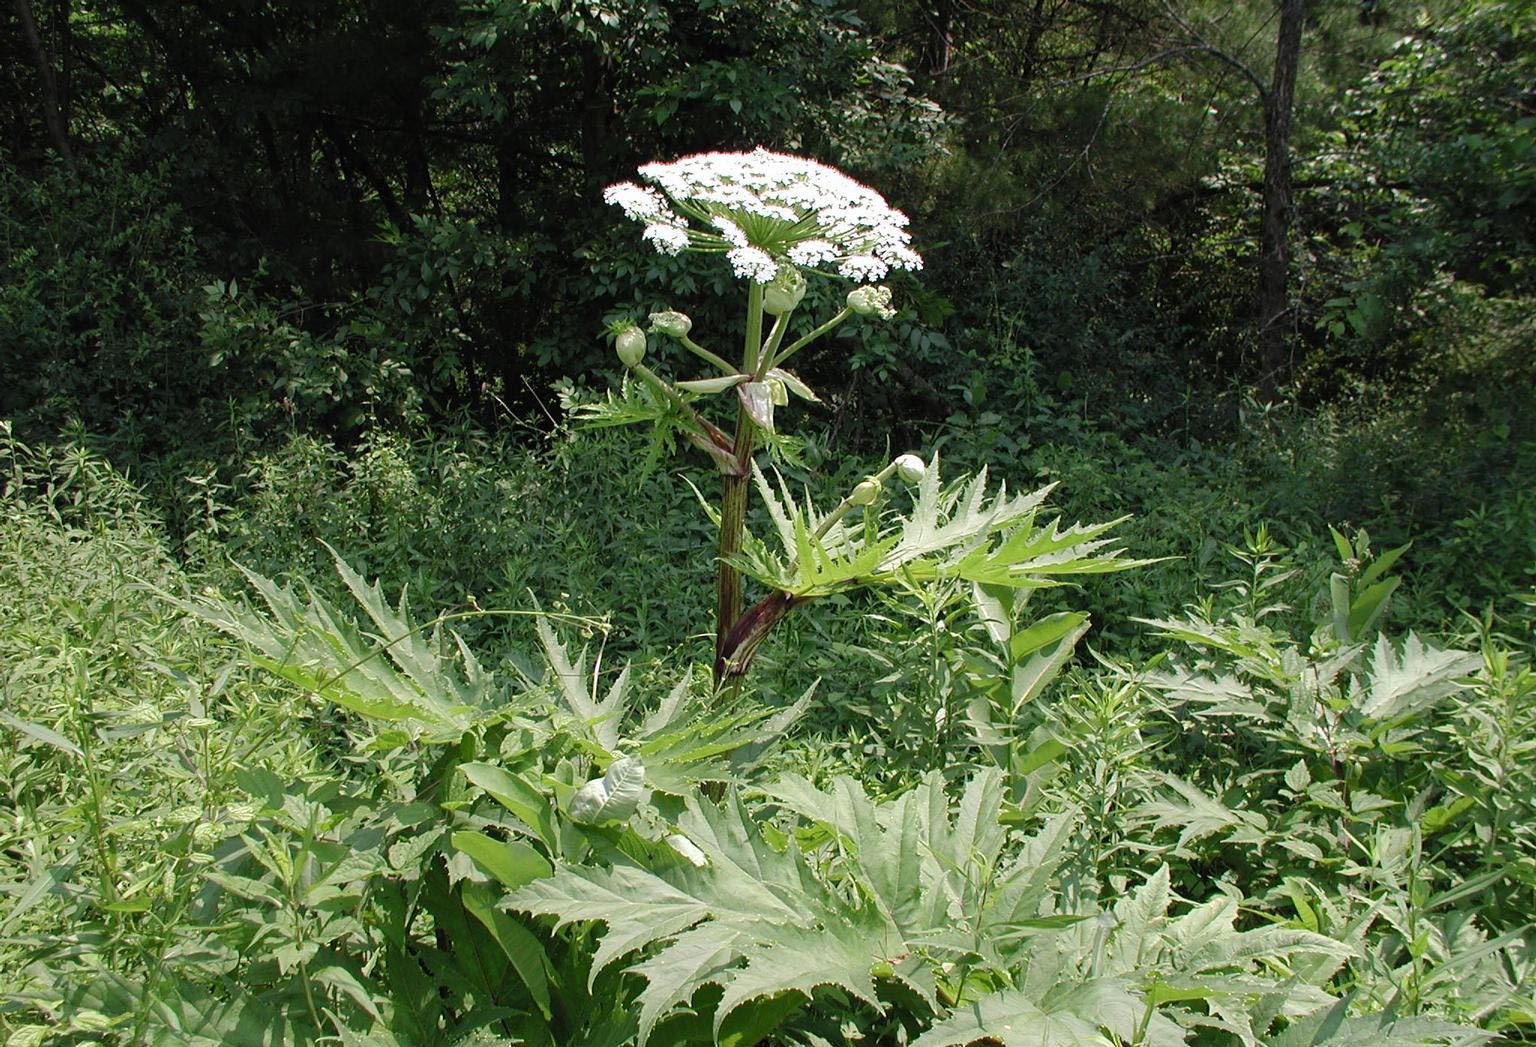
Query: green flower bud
(629, 343)
(911, 468)
(865, 493)
(785, 292)
(671, 323)
(871, 301)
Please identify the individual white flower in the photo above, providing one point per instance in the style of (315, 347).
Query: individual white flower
(730, 232)
(668, 239)
(787, 208)
(900, 256)
(753, 263)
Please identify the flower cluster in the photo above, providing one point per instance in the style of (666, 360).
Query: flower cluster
(766, 210)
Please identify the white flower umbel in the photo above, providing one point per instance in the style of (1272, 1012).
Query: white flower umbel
(753, 263)
(668, 239)
(763, 208)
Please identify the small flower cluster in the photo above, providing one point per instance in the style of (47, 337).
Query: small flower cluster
(766, 210)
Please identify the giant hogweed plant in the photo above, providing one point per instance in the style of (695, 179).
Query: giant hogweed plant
(780, 221)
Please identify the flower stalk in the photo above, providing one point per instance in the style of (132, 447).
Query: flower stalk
(801, 343)
(733, 494)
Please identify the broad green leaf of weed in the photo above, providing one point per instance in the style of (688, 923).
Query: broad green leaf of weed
(1013, 1020)
(1405, 685)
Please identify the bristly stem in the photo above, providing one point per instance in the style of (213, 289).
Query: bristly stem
(733, 497)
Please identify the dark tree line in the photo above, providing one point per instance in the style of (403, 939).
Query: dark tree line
(415, 184)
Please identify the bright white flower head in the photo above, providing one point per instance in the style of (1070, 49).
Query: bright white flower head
(753, 263)
(639, 203)
(811, 253)
(668, 239)
(763, 208)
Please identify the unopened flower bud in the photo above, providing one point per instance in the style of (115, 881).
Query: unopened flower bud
(911, 468)
(865, 493)
(629, 343)
(671, 323)
(784, 292)
(871, 301)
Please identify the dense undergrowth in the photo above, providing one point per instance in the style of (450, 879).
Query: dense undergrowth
(1273, 799)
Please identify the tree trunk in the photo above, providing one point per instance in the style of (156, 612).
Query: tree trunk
(1279, 208)
(53, 112)
(66, 55)
(938, 39)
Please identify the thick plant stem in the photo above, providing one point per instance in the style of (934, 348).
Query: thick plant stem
(733, 496)
(733, 515)
(750, 630)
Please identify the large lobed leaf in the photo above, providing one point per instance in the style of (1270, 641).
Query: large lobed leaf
(753, 920)
(957, 531)
(394, 674)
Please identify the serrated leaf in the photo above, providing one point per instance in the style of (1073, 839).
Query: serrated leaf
(1332, 1027)
(675, 973)
(522, 948)
(954, 531)
(396, 676)
(1197, 814)
(1403, 685)
(1011, 1019)
(638, 906)
(601, 718)
(515, 793)
(1050, 643)
(803, 960)
(46, 735)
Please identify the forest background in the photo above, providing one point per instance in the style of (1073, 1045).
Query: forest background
(286, 281)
